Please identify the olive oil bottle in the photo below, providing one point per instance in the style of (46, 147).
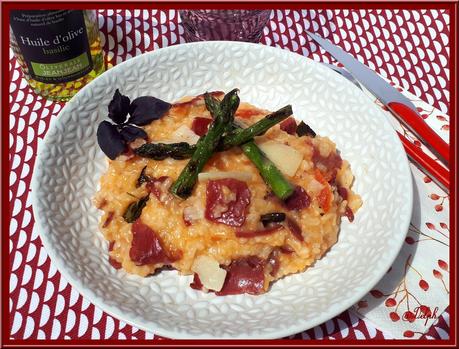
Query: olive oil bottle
(59, 51)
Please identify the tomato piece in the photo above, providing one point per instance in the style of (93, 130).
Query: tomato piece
(200, 126)
(146, 246)
(324, 199)
(288, 125)
(320, 177)
(246, 113)
(325, 196)
(227, 201)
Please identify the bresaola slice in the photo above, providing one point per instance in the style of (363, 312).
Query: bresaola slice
(146, 246)
(349, 214)
(332, 163)
(200, 126)
(227, 201)
(245, 275)
(288, 125)
(196, 284)
(295, 229)
(342, 192)
(298, 200)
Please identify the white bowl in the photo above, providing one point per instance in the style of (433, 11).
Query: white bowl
(70, 163)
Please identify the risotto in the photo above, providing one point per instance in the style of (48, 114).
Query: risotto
(232, 233)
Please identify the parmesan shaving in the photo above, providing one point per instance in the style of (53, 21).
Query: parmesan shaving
(286, 158)
(211, 275)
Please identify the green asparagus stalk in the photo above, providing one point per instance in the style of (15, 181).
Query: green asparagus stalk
(240, 136)
(268, 171)
(235, 137)
(273, 178)
(206, 146)
(212, 104)
(161, 151)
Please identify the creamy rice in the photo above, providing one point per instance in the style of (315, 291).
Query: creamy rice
(164, 215)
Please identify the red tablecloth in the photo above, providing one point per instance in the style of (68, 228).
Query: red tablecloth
(409, 47)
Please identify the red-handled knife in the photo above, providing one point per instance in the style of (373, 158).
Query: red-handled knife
(431, 168)
(398, 104)
(413, 121)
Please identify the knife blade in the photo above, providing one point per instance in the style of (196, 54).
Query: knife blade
(400, 106)
(433, 170)
(344, 73)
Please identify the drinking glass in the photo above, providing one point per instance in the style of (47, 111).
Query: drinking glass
(233, 25)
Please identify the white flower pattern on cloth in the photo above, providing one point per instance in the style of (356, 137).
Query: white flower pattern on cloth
(415, 291)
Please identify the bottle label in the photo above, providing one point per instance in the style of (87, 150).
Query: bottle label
(54, 44)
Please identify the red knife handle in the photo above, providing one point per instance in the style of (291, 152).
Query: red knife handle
(427, 165)
(416, 124)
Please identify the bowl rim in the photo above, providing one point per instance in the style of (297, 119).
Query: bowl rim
(118, 314)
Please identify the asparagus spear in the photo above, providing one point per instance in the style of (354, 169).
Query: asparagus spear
(206, 146)
(268, 171)
(240, 136)
(161, 151)
(237, 136)
(271, 175)
(212, 104)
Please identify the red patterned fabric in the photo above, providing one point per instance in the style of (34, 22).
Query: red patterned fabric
(409, 47)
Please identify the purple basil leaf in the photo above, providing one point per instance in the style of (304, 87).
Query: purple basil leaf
(109, 139)
(118, 107)
(145, 109)
(131, 133)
